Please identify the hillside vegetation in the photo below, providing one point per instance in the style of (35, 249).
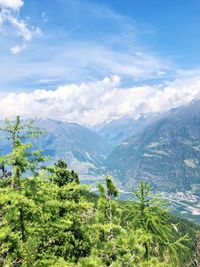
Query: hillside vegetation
(47, 218)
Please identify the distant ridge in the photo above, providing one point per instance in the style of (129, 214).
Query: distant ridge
(69, 139)
(166, 153)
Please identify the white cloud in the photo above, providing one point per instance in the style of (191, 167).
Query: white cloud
(77, 54)
(12, 4)
(21, 27)
(94, 102)
(9, 14)
(17, 49)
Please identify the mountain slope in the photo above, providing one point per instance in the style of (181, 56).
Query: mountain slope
(166, 153)
(71, 140)
(118, 130)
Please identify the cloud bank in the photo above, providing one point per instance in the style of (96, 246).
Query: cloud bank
(96, 102)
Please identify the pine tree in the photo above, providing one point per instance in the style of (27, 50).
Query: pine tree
(22, 157)
(108, 193)
(150, 214)
(19, 161)
(61, 175)
(65, 215)
(106, 226)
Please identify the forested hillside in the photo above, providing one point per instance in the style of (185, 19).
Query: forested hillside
(47, 218)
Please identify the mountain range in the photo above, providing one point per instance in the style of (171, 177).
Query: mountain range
(163, 149)
(165, 153)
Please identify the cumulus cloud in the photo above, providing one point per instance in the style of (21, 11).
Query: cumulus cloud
(95, 102)
(9, 14)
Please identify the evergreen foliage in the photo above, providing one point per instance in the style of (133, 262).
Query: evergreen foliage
(47, 218)
(61, 175)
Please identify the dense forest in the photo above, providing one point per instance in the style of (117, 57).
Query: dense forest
(47, 218)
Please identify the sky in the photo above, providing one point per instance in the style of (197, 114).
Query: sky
(92, 61)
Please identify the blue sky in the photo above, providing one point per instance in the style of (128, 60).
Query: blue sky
(174, 24)
(46, 44)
